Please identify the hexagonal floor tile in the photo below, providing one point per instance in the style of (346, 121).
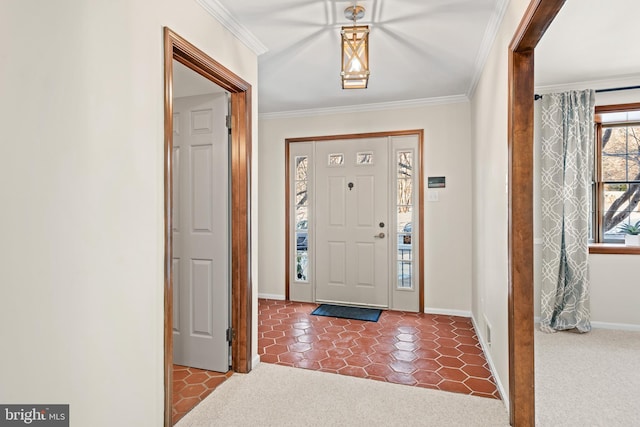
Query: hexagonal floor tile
(416, 349)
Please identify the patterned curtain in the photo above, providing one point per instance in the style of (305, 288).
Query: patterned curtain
(567, 160)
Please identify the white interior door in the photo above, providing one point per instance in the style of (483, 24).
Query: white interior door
(351, 219)
(200, 232)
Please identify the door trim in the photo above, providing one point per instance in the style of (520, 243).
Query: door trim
(535, 22)
(176, 47)
(420, 134)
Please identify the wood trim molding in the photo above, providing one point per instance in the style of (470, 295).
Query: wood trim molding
(617, 108)
(534, 23)
(241, 287)
(287, 220)
(613, 249)
(421, 219)
(520, 310)
(599, 215)
(168, 236)
(599, 247)
(536, 20)
(355, 136)
(417, 132)
(175, 47)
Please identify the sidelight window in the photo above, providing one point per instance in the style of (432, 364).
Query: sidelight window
(302, 218)
(404, 218)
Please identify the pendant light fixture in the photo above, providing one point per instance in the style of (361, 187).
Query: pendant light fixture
(355, 51)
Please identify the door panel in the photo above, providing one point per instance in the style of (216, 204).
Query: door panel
(200, 233)
(337, 201)
(337, 267)
(201, 198)
(366, 201)
(201, 309)
(365, 259)
(351, 202)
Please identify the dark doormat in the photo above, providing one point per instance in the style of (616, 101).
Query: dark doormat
(344, 312)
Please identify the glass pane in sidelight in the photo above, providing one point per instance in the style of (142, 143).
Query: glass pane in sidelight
(302, 266)
(404, 214)
(405, 164)
(404, 275)
(404, 247)
(302, 240)
(302, 166)
(302, 214)
(405, 192)
(302, 194)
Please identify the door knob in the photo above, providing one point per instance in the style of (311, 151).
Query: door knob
(379, 236)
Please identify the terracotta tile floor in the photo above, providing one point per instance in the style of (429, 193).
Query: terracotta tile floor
(191, 386)
(432, 351)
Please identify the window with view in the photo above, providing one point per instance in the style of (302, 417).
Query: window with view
(616, 187)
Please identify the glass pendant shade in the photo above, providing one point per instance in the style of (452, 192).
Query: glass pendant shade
(355, 57)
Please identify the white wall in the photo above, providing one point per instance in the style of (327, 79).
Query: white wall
(613, 277)
(490, 198)
(82, 200)
(447, 222)
(614, 291)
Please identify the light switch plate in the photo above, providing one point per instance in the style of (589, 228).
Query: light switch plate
(432, 195)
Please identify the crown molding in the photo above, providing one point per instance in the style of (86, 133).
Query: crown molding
(490, 34)
(394, 105)
(222, 15)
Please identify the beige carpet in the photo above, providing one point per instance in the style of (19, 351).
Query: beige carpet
(590, 379)
(273, 395)
(581, 380)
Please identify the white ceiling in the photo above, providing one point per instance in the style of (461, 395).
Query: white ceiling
(592, 42)
(420, 50)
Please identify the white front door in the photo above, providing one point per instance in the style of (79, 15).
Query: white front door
(200, 232)
(352, 242)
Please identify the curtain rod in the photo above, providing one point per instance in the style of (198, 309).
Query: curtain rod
(613, 89)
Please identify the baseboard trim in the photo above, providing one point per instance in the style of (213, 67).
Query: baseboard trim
(604, 325)
(492, 367)
(256, 361)
(271, 296)
(616, 326)
(447, 312)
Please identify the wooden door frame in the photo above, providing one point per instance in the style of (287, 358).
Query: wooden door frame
(533, 25)
(417, 132)
(176, 47)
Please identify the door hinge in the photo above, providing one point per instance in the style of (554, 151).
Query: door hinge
(230, 334)
(228, 120)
